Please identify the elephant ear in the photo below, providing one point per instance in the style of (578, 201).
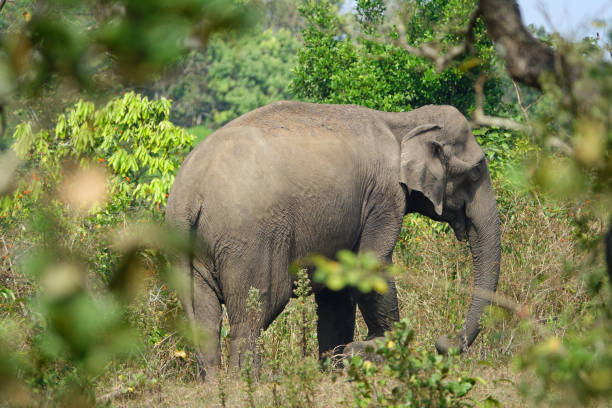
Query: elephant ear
(423, 164)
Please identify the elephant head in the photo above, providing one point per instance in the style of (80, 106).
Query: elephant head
(447, 179)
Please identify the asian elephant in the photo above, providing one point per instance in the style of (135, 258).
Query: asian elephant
(291, 178)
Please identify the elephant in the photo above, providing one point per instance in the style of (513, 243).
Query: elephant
(293, 178)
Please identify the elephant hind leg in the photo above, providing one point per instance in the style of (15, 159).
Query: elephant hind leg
(207, 317)
(267, 271)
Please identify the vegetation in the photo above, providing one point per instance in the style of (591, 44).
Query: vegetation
(88, 315)
(409, 378)
(374, 71)
(232, 77)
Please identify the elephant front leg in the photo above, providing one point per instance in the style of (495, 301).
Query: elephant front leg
(380, 311)
(336, 320)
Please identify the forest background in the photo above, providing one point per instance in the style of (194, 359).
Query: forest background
(87, 311)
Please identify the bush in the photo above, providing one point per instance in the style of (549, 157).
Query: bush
(95, 170)
(407, 376)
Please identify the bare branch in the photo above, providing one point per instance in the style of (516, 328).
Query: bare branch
(560, 145)
(480, 119)
(2, 3)
(519, 100)
(432, 50)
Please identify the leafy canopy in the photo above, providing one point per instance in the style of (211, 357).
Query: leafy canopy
(233, 76)
(368, 68)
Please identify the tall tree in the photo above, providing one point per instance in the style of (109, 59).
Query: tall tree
(372, 70)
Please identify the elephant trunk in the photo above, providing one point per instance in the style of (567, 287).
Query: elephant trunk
(484, 237)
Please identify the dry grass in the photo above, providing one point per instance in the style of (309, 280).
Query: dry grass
(543, 270)
(434, 295)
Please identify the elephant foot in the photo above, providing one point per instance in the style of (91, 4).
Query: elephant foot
(365, 349)
(445, 345)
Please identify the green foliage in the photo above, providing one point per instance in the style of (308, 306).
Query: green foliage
(71, 38)
(199, 133)
(279, 14)
(505, 151)
(130, 137)
(233, 76)
(363, 271)
(408, 377)
(289, 350)
(575, 371)
(372, 71)
(576, 121)
(301, 291)
(125, 153)
(248, 376)
(71, 335)
(300, 381)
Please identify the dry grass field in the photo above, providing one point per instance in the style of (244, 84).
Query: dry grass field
(544, 279)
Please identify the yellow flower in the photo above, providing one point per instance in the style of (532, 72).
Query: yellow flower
(390, 344)
(180, 354)
(367, 364)
(130, 389)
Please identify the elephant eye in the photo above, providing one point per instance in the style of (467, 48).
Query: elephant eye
(436, 150)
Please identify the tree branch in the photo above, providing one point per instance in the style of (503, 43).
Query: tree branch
(480, 119)
(520, 101)
(526, 57)
(432, 51)
(2, 3)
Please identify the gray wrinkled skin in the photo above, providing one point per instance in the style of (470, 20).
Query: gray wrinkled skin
(290, 179)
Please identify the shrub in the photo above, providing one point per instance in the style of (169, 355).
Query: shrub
(408, 376)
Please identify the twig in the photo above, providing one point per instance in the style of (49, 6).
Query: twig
(159, 343)
(519, 99)
(431, 50)
(480, 119)
(2, 3)
(509, 342)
